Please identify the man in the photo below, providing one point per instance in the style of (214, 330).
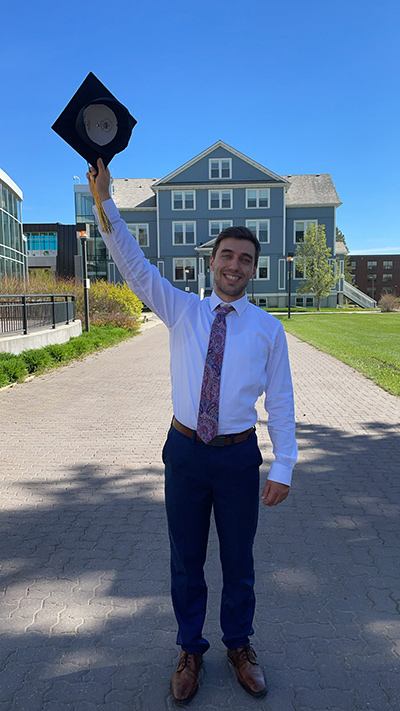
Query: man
(225, 353)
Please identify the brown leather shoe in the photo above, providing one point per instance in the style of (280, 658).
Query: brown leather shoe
(248, 671)
(185, 680)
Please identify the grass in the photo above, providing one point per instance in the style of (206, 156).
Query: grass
(16, 368)
(370, 343)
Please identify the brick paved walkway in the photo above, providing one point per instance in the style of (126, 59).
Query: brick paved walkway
(85, 617)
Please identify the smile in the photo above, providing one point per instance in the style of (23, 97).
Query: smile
(230, 277)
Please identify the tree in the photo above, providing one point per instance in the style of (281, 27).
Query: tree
(348, 272)
(319, 270)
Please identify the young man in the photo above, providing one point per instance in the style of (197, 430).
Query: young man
(225, 353)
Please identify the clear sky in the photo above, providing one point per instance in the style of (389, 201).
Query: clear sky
(300, 87)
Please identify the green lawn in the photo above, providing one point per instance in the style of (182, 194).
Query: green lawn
(370, 343)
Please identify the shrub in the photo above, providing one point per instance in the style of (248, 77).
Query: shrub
(108, 303)
(56, 352)
(37, 360)
(12, 368)
(389, 302)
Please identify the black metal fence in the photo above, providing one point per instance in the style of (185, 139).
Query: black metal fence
(22, 313)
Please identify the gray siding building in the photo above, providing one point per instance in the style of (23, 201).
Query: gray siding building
(177, 218)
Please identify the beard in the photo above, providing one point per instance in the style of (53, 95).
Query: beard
(238, 289)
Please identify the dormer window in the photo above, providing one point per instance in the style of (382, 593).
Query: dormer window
(220, 168)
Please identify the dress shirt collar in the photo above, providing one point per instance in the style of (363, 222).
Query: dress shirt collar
(239, 305)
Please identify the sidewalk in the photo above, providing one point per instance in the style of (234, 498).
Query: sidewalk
(86, 620)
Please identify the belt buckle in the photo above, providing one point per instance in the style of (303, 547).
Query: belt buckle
(218, 441)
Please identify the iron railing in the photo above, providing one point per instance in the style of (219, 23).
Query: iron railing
(21, 313)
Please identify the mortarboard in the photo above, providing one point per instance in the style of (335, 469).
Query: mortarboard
(96, 125)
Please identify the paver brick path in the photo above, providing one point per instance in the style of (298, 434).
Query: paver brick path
(85, 616)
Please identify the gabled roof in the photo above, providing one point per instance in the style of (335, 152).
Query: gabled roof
(341, 248)
(130, 193)
(311, 189)
(220, 144)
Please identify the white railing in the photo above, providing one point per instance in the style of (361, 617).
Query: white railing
(351, 292)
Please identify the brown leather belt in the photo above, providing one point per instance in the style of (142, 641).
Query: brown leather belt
(219, 441)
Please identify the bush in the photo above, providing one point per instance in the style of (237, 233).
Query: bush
(12, 369)
(37, 360)
(108, 303)
(56, 352)
(389, 302)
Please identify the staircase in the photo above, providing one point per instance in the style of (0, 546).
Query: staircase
(354, 294)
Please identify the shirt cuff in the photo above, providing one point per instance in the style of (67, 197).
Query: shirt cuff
(280, 473)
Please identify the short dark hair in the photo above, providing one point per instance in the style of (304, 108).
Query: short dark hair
(238, 233)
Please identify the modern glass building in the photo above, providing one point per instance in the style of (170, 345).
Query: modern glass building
(13, 251)
(97, 258)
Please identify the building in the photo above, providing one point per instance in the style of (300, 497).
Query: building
(177, 218)
(13, 252)
(376, 274)
(52, 246)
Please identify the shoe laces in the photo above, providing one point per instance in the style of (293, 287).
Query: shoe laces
(187, 660)
(247, 653)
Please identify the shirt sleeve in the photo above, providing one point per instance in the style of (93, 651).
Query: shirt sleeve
(142, 277)
(279, 404)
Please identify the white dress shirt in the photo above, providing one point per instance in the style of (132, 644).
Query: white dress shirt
(255, 357)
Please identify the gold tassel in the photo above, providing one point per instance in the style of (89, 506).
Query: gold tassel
(105, 223)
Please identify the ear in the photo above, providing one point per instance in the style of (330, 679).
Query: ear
(212, 263)
(254, 272)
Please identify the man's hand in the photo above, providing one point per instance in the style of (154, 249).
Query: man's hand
(101, 176)
(274, 493)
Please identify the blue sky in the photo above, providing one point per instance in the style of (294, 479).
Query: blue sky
(310, 87)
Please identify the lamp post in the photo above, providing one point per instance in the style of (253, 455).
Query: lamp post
(187, 270)
(289, 260)
(82, 236)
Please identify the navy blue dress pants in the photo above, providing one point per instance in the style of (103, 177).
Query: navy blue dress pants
(200, 478)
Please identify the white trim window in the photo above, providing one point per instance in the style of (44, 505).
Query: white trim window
(216, 226)
(160, 266)
(220, 199)
(263, 268)
(299, 268)
(179, 269)
(300, 228)
(183, 233)
(183, 199)
(257, 198)
(220, 168)
(260, 228)
(140, 232)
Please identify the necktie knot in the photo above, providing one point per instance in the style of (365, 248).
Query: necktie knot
(224, 310)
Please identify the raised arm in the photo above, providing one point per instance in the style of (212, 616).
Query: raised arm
(142, 277)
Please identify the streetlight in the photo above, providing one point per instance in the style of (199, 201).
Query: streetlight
(289, 260)
(82, 236)
(187, 270)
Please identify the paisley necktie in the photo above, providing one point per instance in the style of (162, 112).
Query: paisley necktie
(207, 423)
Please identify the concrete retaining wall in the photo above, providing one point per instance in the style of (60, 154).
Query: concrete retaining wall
(38, 339)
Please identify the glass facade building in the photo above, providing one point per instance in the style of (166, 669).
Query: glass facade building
(13, 251)
(97, 256)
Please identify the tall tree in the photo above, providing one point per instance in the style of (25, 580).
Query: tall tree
(348, 272)
(340, 237)
(319, 278)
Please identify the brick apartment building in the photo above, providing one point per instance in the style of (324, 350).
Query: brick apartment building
(376, 274)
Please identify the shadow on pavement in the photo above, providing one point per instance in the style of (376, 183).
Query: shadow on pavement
(86, 614)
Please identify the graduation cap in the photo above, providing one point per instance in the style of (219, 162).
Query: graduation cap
(96, 125)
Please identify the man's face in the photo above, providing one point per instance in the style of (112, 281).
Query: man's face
(233, 267)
